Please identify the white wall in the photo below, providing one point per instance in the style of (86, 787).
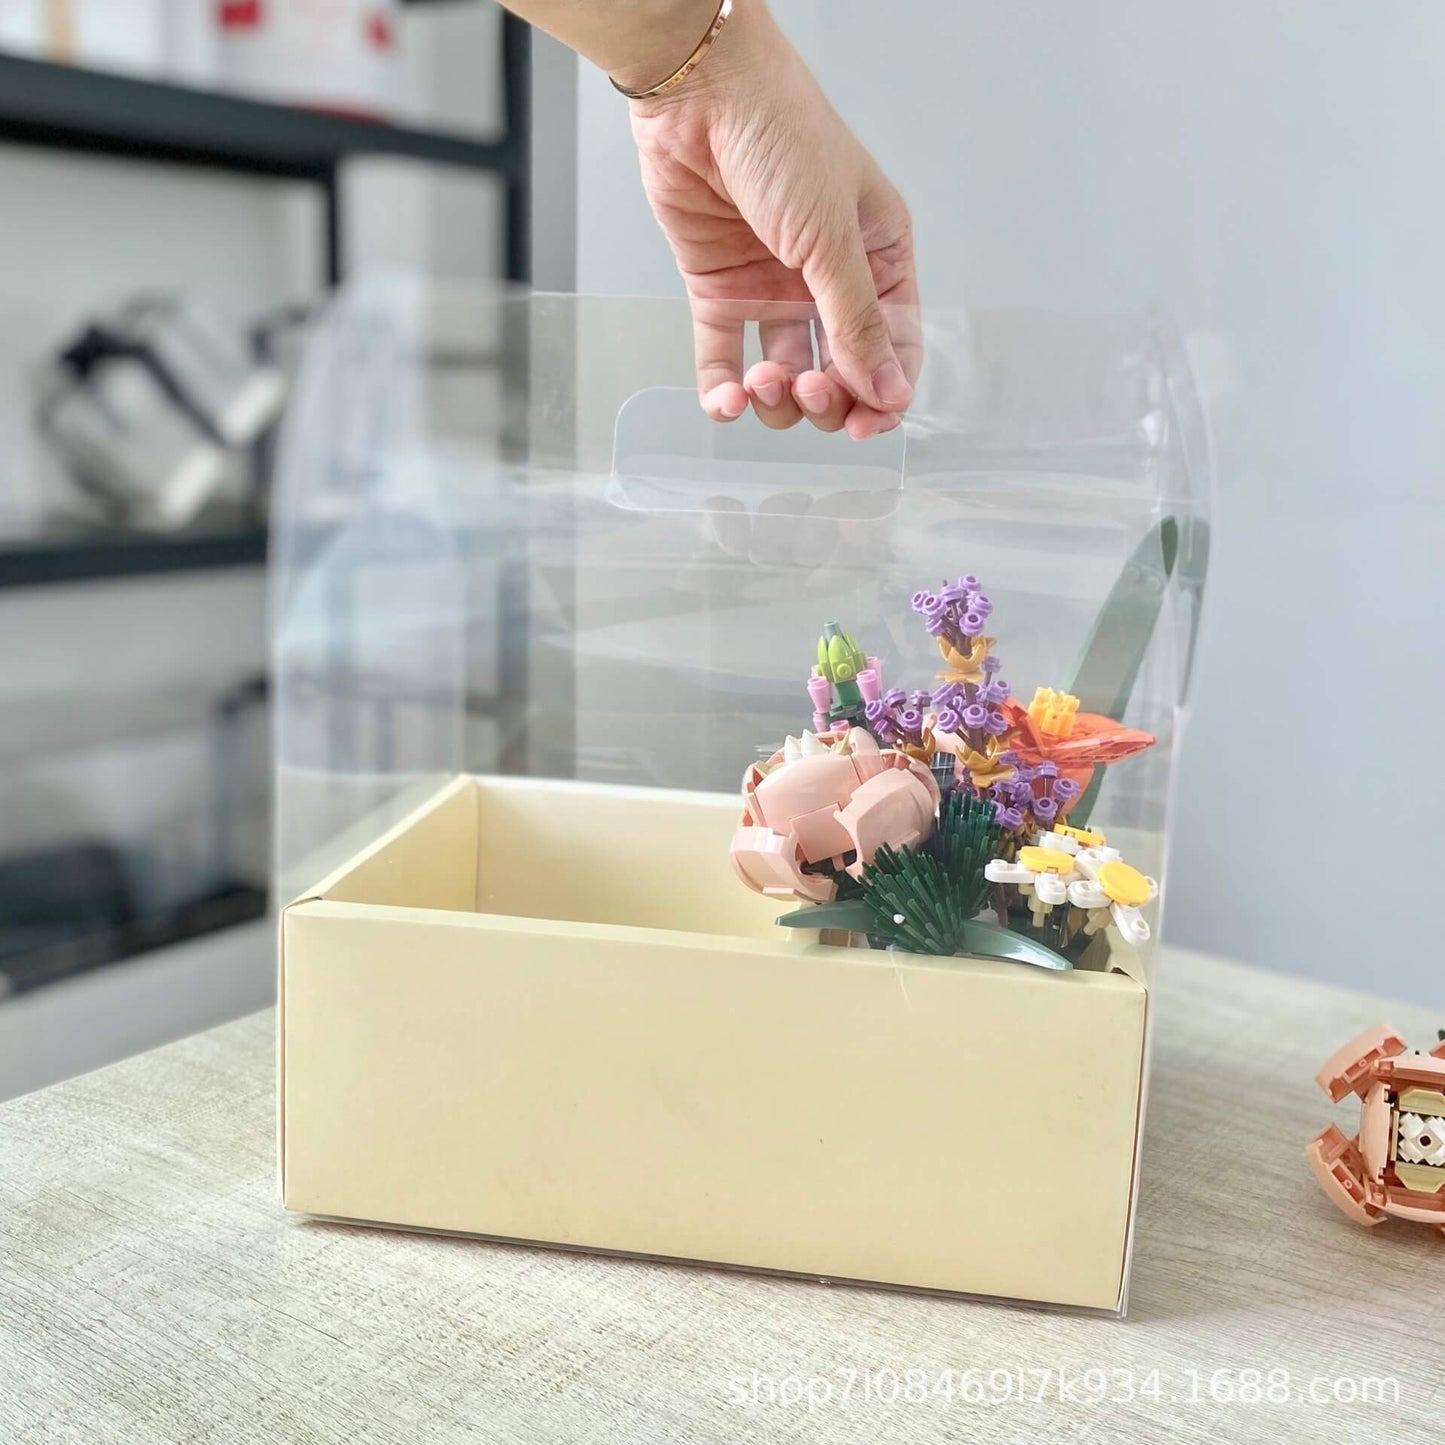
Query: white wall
(1270, 171)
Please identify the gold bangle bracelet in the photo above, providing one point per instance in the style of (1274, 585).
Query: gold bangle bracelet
(689, 65)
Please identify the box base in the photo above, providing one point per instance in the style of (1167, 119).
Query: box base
(459, 1056)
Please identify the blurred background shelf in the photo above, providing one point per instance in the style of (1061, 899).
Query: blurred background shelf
(225, 907)
(105, 1014)
(74, 108)
(134, 739)
(87, 555)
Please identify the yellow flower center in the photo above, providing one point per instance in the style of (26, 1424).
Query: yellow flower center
(1124, 884)
(1046, 860)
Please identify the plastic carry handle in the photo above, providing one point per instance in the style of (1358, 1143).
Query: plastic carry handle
(668, 455)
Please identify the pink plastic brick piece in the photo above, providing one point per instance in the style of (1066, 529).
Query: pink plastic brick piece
(1395, 1165)
(1350, 1067)
(823, 807)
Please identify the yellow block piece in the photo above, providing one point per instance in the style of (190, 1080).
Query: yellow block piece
(1046, 860)
(1053, 713)
(1424, 1177)
(1084, 837)
(1124, 884)
(1422, 1101)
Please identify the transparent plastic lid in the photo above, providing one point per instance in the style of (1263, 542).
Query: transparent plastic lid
(507, 540)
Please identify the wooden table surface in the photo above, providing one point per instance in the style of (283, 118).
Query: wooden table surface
(151, 1289)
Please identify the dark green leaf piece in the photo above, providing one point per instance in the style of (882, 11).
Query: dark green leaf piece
(988, 940)
(965, 839)
(852, 915)
(924, 899)
(916, 903)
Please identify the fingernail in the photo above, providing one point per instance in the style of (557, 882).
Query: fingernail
(724, 401)
(892, 386)
(815, 403)
(770, 393)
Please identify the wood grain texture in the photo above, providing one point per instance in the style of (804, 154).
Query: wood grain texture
(151, 1289)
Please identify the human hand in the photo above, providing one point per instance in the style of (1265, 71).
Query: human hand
(765, 195)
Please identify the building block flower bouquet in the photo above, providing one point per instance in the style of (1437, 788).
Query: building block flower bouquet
(938, 821)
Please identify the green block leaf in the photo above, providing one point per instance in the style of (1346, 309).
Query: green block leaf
(851, 914)
(988, 940)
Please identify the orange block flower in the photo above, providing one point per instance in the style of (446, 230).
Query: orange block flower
(1051, 729)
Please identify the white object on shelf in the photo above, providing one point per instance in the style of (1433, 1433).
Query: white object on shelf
(146, 407)
(192, 41)
(125, 35)
(23, 27)
(122, 434)
(331, 54)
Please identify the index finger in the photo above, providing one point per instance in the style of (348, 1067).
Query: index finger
(717, 340)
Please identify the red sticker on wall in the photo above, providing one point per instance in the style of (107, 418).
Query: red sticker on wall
(240, 14)
(379, 31)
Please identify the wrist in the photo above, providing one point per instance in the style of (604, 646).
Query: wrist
(656, 38)
(745, 37)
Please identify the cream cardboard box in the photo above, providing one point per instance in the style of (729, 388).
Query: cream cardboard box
(549, 1012)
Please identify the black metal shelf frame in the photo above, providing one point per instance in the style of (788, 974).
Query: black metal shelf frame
(228, 906)
(67, 108)
(89, 557)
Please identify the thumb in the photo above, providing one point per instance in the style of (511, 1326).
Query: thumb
(842, 285)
